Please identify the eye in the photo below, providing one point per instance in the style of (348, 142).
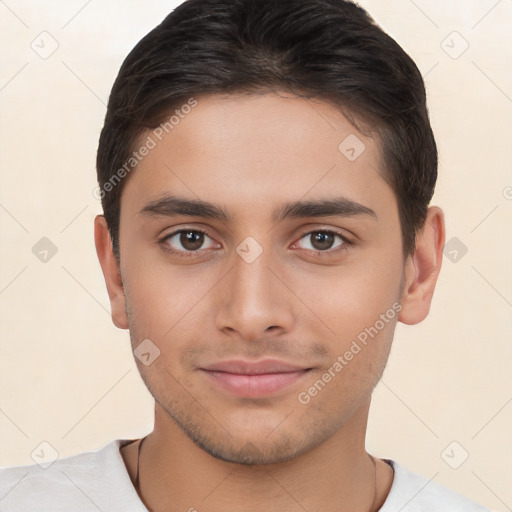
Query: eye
(187, 240)
(322, 241)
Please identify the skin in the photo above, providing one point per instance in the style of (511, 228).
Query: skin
(210, 449)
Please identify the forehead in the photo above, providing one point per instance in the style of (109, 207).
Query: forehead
(255, 149)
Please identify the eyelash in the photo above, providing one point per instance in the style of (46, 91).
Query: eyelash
(315, 253)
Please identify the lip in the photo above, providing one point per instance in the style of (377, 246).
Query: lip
(254, 379)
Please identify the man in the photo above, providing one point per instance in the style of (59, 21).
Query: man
(265, 170)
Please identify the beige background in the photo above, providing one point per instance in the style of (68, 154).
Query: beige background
(67, 374)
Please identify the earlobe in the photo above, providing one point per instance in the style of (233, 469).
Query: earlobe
(422, 269)
(111, 272)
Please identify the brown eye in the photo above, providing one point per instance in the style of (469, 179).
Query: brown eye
(188, 240)
(191, 240)
(322, 240)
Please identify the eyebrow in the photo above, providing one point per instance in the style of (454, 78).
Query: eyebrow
(171, 206)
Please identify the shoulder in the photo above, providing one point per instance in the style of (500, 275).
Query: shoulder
(413, 493)
(80, 483)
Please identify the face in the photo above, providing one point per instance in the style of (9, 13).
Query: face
(264, 263)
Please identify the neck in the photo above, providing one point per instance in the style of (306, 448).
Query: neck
(337, 476)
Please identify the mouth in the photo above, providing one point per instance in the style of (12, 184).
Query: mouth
(254, 379)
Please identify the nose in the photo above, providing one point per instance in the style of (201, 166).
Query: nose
(252, 302)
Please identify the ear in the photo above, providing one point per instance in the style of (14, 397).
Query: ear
(422, 269)
(111, 272)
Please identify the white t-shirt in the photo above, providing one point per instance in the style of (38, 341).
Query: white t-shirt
(94, 481)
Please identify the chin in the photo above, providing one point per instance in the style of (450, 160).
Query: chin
(255, 446)
(250, 453)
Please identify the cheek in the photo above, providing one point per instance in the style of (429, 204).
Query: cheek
(349, 298)
(165, 299)
(338, 389)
